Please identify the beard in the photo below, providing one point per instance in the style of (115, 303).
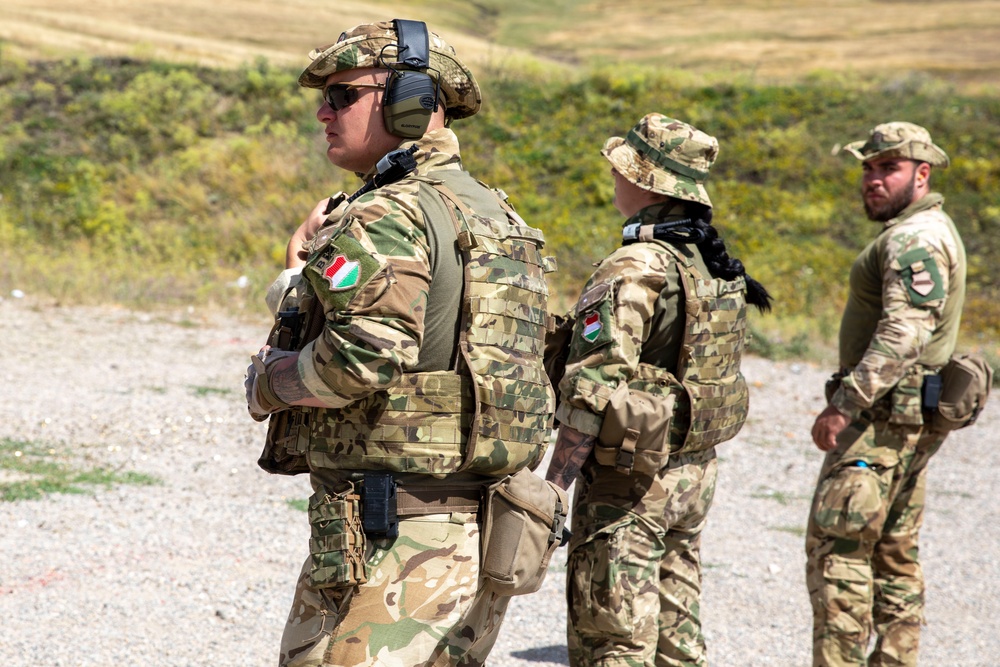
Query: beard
(894, 205)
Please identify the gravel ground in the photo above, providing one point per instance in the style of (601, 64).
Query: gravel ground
(199, 569)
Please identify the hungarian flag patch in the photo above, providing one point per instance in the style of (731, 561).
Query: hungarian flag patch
(342, 273)
(591, 327)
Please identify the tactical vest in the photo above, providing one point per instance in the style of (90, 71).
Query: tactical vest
(492, 414)
(713, 399)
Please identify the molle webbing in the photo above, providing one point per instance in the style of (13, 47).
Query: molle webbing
(502, 333)
(492, 414)
(715, 334)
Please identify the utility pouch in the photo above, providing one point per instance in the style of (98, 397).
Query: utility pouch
(634, 434)
(337, 542)
(522, 527)
(280, 455)
(965, 385)
(378, 505)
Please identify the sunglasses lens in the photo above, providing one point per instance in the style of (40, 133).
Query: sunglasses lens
(339, 97)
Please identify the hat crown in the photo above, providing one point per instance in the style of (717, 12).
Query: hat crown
(374, 45)
(899, 139)
(674, 145)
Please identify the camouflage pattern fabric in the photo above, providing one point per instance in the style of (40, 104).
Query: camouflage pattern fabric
(907, 289)
(634, 571)
(634, 565)
(863, 572)
(494, 417)
(901, 322)
(665, 156)
(422, 604)
(899, 139)
(374, 45)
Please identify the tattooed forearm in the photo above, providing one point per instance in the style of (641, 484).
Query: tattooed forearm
(287, 384)
(571, 451)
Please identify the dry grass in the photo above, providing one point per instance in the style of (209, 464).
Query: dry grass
(766, 39)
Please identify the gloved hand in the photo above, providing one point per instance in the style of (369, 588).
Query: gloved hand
(261, 399)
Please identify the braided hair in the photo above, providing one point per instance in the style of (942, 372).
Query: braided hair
(720, 264)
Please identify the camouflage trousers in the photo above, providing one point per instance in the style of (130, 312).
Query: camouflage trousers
(634, 565)
(863, 569)
(422, 605)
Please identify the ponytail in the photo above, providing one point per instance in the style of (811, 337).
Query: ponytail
(718, 261)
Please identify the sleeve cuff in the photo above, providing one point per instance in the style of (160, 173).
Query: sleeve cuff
(314, 383)
(843, 402)
(584, 421)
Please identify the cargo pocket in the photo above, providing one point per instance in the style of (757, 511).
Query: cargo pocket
(852, 501)
(847, 596)
(600, 590)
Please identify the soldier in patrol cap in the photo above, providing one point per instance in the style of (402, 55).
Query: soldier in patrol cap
(652, 384)
(404, 369)
(899, 327)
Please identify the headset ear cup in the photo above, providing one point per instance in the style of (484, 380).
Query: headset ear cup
(409, 101)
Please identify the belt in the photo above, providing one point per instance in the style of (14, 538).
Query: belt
(419, 500)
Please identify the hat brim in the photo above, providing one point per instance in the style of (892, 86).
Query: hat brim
(462, 96)
(644, 174)
(910, 150)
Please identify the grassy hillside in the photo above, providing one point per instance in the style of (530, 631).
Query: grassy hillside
(174, 171)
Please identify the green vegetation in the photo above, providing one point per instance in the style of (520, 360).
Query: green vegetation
(298, 504)
(201, 391)
(146, 183)
(30, 471)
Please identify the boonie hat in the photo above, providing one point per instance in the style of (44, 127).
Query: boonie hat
(899, 139)
(374, 44)
(666, 156)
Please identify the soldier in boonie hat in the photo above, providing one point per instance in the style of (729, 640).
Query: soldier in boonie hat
(899, 139)
(665, 156)
(374, 44)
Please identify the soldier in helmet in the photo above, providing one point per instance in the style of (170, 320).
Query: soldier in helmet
(404, 370)
(652, 384)
(899, 327)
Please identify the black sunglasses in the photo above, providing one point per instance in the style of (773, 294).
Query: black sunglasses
(342, 95)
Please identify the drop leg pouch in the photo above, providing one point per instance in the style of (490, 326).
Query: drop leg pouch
(523, 523)
(337, 541)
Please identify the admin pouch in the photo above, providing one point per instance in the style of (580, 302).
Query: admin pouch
(634, 435)
(522, 527)
(965, 385)
(337, 540)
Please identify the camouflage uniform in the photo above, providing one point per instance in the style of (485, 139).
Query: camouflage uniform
(634, 570)
(395, 361)
(900, 324)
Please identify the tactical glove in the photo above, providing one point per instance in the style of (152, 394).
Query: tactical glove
(261, 399)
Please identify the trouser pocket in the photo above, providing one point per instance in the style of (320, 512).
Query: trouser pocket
(337, 542)
(600, 586)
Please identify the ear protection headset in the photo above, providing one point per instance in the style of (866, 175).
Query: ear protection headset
(411, 94)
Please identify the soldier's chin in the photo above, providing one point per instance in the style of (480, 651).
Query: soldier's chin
(879, 213)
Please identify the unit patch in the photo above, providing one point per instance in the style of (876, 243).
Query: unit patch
(922, 283)
(591, 327)
(342, 273)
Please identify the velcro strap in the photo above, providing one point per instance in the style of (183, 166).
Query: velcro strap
(417, 500)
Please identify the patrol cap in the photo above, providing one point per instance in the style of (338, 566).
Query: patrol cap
(665, 156)
(899, 139)
(374, 45)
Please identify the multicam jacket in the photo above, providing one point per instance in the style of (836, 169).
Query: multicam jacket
(907, 288)
(652, 315)
(434, 300)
